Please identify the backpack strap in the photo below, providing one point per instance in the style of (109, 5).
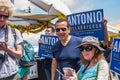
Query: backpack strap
(6, 34)
(14, 35)
(13, 32)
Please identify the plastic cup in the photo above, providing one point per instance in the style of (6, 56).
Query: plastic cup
(67, 71)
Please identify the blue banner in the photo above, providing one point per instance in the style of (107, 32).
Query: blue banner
(46, 46)
(87, 23)
(115, 56)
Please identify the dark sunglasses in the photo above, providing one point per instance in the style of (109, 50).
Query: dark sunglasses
(3, 16)
(87, 48)
(58, 29)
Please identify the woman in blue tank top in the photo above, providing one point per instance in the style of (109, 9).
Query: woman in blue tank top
(94, 66)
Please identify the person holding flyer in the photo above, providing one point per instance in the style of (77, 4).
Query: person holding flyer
(94, 66)
(48, 61)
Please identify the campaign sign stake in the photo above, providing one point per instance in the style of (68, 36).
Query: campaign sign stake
(115, 56)
(87, 23)
(46, 46)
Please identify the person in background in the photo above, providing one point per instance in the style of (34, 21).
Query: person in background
(106, 45)
(50, 30)
(10, 45)
(107, 52)
(23, 72)
(64, 52)
(94, 66)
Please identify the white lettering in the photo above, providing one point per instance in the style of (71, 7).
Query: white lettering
(85, 18)
(115, 46)
(99, 16)
(49, 40)
(89, 17)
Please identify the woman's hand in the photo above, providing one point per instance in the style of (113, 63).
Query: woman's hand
(73, 77)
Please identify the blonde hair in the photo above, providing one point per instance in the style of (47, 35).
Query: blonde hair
(6, 6)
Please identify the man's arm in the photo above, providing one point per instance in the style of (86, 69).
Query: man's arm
(105, 31)
(53, 68)
(16, 53)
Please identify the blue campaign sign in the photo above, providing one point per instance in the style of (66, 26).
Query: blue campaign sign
(115, 57)
(87, 23)
(46, 46)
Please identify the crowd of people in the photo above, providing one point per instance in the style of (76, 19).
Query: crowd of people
(85, 57)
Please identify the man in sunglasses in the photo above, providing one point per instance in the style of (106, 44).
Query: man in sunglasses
(64, 52)
(10, 48)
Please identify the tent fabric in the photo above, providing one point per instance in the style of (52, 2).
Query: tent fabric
(118, 26)
(41, 5)
(36, 17)
(112, 29)
(51, 7)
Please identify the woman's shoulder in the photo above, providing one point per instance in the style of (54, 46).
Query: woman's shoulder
(102, 61)
(103, 64)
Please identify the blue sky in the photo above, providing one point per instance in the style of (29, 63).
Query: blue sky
(111, 8)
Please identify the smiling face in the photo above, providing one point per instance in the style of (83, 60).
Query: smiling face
(62, 30)
(88, 51)
(49, 31)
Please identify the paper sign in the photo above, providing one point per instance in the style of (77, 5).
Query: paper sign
(87, 23)
(115, 56)
(46, 46)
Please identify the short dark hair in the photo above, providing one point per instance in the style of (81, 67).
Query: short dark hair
(53, 29)
(62, 20)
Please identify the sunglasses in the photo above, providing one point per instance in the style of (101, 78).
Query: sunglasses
(3, 16)
(87, 48)
(58, 29)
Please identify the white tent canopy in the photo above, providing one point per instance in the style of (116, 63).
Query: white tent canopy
(36, 17)
(30, 18)
(52, 6)
(112, 29)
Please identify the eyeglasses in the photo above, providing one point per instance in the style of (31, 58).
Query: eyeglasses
(3, 16)
(58, 29)
(87, 48)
